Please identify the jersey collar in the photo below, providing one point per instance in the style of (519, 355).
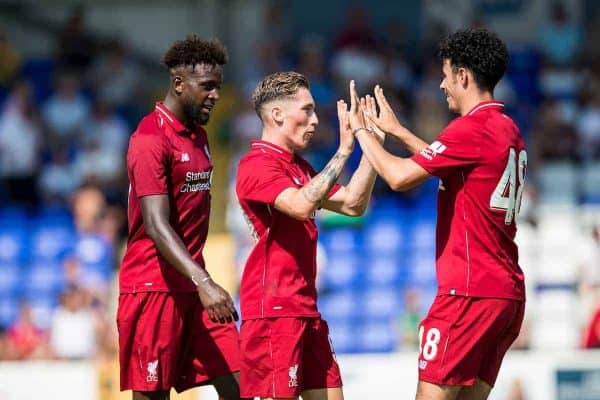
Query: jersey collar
(271, 148)
(487, 105)
(172, 120)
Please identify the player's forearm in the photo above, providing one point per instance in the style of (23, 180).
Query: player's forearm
(385, 164)
(360, 187)
(172, 248)
(319, 186)
(412, 142)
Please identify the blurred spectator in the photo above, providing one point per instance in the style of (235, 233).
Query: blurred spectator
(91, 262)
(88, 206)
(20, 142)
(103, 145)
(555, 138)
(355, 54)
(11, 61)
(59, 178)
(66, 112)
(73, 330)
(409, 321)
(114, 76)
(560, 36)
(516, 391)
(24, 338)
(76, 48)
(588, 127)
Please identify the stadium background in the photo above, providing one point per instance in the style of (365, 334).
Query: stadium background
(75, 78)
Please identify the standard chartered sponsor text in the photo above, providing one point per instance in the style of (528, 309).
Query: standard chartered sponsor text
(196, 181)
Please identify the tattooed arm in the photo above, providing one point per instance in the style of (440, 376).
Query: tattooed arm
(302, 203)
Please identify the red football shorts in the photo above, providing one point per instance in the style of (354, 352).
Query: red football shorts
(167, 340)
(282, 357)
(463, 338)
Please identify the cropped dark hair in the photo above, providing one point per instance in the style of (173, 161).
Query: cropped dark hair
(277, 86)
(480, 51)
(194, 50)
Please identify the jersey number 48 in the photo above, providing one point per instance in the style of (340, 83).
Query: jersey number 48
(507, 195)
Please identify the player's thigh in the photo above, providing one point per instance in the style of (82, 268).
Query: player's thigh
(335, 393)
(150, 326)
(479, 391)
(320, 367)
(433, 391)
(210, 352)
(271, 357)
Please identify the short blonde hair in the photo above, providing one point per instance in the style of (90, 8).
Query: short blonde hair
(277, 86)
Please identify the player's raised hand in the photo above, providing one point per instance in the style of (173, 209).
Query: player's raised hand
(369, 108)
(355, 115)
(346, 137)
(386, 119)
(217, 302)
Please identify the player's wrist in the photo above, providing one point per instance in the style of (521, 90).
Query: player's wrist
(198, 281)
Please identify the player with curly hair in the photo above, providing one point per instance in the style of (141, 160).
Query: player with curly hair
(176, 325)
(480, 159)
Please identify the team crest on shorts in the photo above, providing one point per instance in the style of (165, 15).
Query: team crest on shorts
(293, 376)
(152, 375)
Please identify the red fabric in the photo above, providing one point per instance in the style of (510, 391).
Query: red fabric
(476, 253)
(281, 357)
(591, 339)
(463, 338)
(25, 338)
(165, 158)
(167, 340)
(279, 276)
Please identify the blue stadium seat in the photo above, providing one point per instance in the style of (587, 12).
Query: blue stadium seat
(385, 270)
(342, 270)
(385, 235)
(51, 242)
(9, 310)
(10, 282)
(343, 337)
(340, 239)
(338, 306)
(43, 281)
(13, 244)
(379, 303)
(377, 337)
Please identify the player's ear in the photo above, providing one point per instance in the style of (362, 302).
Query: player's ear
(463, 76)
(277, 114)
(177, 82)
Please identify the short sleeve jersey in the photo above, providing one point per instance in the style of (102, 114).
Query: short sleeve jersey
(164, 158)
(279, 276)
(481, 160)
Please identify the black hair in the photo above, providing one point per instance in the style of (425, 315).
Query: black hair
(478, 50)
(194, 50)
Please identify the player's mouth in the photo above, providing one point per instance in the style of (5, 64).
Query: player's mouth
(308, 135)
(207, 108)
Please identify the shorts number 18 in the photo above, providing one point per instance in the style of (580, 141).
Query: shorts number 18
(510, 200)
(432, 339)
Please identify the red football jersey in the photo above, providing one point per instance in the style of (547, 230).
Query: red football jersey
(165, 158)
(279, 276)
(481, 161)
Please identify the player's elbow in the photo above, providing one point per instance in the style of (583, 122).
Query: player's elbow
(398, 184)
(355, 210)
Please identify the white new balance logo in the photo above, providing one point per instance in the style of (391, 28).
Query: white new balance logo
(185, 157)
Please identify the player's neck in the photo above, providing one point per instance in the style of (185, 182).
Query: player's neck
(173, 105)
(470, 102)
(275, 138)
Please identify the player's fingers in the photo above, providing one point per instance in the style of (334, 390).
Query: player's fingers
(384, 102)
(353, 97)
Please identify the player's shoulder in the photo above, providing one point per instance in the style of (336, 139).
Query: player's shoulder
(151, 125)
